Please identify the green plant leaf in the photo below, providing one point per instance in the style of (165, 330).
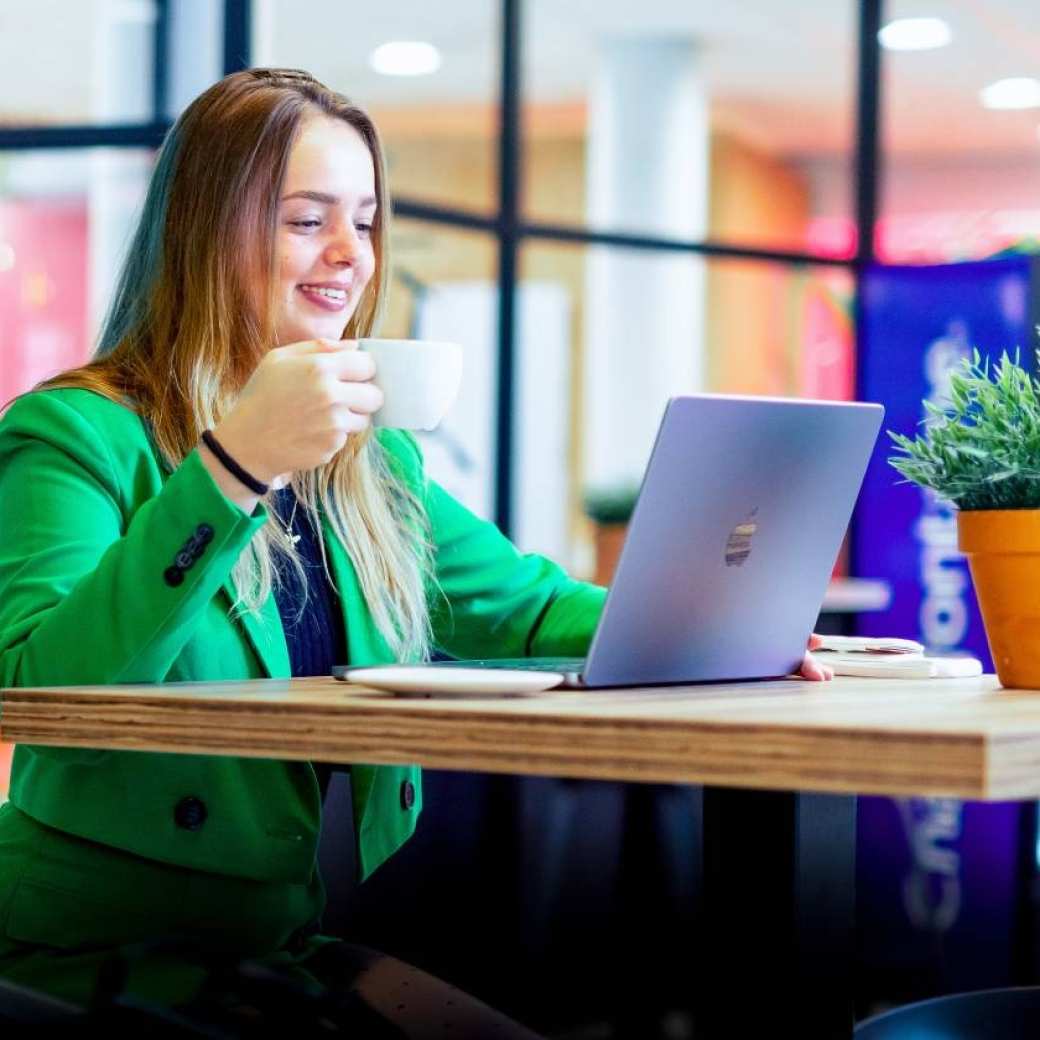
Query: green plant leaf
(979, 447)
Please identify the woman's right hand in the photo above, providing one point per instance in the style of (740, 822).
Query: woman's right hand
(299, 407)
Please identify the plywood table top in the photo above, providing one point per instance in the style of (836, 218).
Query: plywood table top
(963, 738)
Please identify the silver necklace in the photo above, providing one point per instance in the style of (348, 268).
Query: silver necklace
(293, 538)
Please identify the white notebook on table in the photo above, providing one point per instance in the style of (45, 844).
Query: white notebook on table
(882, 658)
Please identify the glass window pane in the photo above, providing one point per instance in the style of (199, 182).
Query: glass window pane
(960, 180)
(589, 391)
(779, 330)
(195, 48)
(444, 286)
(731, 121)
(71, 63)
(65, 219)
(439, 127)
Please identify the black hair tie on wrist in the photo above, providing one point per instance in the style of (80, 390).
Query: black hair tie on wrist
(256, 486)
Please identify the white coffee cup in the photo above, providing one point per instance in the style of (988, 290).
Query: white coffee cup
(419, 378)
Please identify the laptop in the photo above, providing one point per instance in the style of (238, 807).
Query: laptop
(730, 547)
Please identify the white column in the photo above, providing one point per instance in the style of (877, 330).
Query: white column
(264, 31)
(647, 173)
(121, 86)
(196, 50)
(121, 80)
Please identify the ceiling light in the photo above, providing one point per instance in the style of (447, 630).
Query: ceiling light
(405, 58)
(1017, 92)
(915, 34)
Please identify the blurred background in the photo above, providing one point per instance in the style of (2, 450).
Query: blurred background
(606, 203)
(674, 187)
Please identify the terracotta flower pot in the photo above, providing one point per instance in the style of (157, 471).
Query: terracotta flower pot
(609, 539)
(1003, 550)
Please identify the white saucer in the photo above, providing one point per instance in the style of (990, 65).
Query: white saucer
(421, 681)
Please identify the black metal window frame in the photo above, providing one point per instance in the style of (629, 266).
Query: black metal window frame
(508, 225)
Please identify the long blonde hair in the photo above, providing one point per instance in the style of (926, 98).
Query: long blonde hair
(186, 330)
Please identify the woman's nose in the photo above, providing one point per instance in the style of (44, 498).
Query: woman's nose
(343, 248)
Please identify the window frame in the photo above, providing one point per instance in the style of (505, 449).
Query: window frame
(507, 224)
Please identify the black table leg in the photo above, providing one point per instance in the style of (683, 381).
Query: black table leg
(779, 897)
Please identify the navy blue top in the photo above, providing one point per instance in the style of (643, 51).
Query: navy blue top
(312, 615)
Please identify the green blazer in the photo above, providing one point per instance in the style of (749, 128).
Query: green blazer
(115, 570)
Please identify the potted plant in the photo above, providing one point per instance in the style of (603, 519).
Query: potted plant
(609, 508)
(981, 451)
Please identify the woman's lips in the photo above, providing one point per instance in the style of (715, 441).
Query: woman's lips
(325, 297)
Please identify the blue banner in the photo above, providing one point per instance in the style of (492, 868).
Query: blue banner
(939, 880)
(916, 324)
(939, 895)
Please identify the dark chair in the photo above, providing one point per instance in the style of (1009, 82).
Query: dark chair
(20, 1006)
(989, 1014)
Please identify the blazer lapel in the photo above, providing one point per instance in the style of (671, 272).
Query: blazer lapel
(364, 643)
(265, 634)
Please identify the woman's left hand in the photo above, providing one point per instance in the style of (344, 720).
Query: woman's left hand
(811, 668)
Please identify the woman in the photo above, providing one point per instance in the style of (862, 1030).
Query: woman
(206, 500)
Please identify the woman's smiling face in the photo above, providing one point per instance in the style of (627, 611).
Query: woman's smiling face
(324, 257)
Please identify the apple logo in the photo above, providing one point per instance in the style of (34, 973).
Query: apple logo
(738, 546)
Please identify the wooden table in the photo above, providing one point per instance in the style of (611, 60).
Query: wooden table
(780, 763)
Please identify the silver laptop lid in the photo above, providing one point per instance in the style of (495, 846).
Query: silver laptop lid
(733, 539)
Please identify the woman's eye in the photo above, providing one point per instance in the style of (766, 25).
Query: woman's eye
(306, 223)
(364, 229)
